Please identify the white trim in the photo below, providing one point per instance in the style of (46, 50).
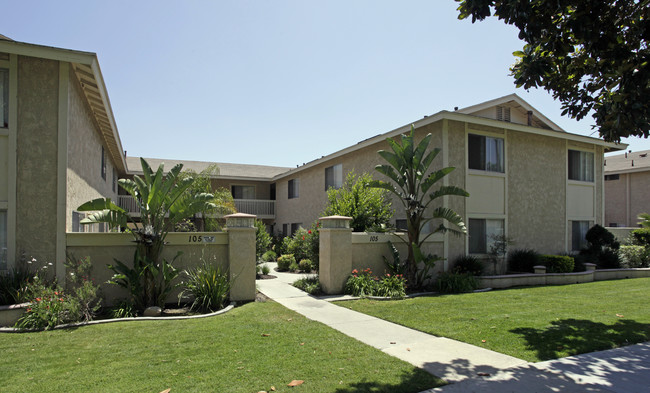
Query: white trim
(61, 172)
(46, 52)
(12, 166)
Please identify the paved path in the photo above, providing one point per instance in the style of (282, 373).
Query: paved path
(623, 370)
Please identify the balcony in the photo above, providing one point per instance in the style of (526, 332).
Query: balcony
(261, 208)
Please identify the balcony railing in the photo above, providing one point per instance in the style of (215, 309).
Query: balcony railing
(261, 208)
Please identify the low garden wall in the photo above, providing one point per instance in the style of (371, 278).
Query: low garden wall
(621, 233)
(529, 279)
(232, 251)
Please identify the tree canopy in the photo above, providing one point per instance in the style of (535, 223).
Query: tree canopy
(591, 55)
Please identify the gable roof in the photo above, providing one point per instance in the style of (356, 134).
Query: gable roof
(513, 101)
(638, 161)
(226, 170)
(86, 68)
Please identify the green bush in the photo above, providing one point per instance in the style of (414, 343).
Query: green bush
(602, 249)
(558, 263)
(634, 256)
(392, 286)
(523, 260)
(311, 285)
(449, 282)
(208, 285)
(294, 267)
(13, 285)
(262, 239)
(468, 264)
(123, 309)
(361, 283)
(285, 261)
(305, 265)
(269, 256)
(641, 237)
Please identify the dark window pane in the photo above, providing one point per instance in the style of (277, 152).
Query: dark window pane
(476, 152)
(477, 236)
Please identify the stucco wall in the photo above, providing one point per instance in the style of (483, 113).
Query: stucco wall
(84, 181)
(37, 158)
(536, 192)
(639, 195)
(616, 201)
(456, 143)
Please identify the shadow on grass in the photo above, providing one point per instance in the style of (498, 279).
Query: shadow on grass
(576, 336)
(411, 382)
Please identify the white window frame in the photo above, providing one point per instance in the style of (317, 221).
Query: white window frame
(585, 173)
(489, 230)
(493, 161)
(334, 177)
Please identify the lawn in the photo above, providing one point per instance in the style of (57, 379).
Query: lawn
(251, 348)
(534, 324)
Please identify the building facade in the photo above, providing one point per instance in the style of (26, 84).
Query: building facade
(627, 186)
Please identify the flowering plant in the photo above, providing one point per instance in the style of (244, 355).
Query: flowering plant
(365, 284)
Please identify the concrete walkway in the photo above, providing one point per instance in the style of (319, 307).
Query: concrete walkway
(469, 368)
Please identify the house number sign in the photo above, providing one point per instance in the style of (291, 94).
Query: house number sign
(200, 239)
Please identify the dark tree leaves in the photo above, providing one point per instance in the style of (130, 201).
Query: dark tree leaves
(591, 55)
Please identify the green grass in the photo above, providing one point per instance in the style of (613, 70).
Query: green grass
(227, 353)
(534, 324)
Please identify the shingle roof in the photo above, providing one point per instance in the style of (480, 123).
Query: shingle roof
(226, 170)
(628, 162)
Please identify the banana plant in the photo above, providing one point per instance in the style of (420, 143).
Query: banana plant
(164, 201)
(412, 181)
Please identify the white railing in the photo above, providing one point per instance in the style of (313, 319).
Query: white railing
(261, 208)
(127, 203)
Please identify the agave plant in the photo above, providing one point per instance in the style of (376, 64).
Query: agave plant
(163, 201)
(412, 182)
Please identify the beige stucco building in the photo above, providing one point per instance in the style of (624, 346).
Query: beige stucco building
(59, 147)
(627, 186)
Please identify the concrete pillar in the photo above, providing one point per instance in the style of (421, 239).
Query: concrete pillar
(590, 267)
(540, 269)
(335, 261)
(241, 255)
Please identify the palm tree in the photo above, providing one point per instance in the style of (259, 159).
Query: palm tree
(412, 182)
(163, 202)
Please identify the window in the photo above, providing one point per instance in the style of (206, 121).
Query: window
(76, 222)
(294, 188)
(612, 177)
(4, 98)
(581, 165)
(3, 240)
(401, 225)
(578, 233)
(243, 192)
(295, 226)
(482, 233)
(285, 229)
(485, 153)
(272, 191)
(334, 177)
(103, 163)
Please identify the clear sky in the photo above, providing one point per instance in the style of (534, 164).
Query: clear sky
(279, 82)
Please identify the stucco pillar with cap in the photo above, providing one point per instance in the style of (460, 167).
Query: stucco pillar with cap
(335, 253)
(241, 255)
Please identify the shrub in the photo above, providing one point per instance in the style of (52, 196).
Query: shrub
(599, 237)
(13, 285)
(208, 285)
(80, 284)
(602, 248)
(269, 256)
(285, 261)
(468, 264)
(641, 236)
(634, 256)
(123, 309)
(523, 260)
(394, 265)
(558, 263)
(49, 307)
(449, 282)
(266, 269)
(608, 259)
(361, 284)
(392, 286)
(299, 246)
(262, 239)
(305, 265)
(311, 285)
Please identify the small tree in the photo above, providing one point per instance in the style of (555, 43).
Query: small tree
(262, 239)
(369, 207)
(222, 204)
(412, 182)
(163, 202)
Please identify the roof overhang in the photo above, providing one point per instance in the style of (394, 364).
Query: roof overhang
(461, 117)
(86, 68)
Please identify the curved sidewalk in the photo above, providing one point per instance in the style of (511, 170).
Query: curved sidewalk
(469, 368)
(437, 355)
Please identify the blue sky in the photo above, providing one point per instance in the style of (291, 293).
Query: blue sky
(279, 82)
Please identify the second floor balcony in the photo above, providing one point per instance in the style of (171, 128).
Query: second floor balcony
(260, 207)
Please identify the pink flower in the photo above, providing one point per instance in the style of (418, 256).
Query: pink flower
(387, 274)
(355, 271)
(309, 231)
